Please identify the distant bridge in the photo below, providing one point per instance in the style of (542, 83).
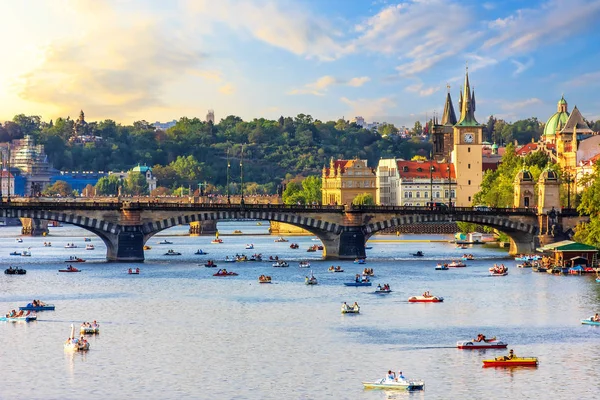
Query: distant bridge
(125, 226)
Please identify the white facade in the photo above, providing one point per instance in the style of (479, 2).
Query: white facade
(411, 183)
(8, 183)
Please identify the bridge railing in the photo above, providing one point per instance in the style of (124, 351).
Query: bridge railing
(446, 210)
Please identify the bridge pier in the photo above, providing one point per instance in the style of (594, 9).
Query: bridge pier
(126, 245)
(34, 226)
(521, 243)
(198, 228)
(347, 245)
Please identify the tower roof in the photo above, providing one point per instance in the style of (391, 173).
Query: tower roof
(467, 106)
(449, 117)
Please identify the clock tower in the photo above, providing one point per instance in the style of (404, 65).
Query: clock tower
(467, 154)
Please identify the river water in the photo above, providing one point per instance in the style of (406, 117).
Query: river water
(177, 332)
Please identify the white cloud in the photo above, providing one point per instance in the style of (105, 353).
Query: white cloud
(413, 30)
(369, 107)
(516, 105)
(587, 79)
(522, 67)
(320, 86)
(358, 81)
(528, 29)
(421, 90)
(227, 89)
(280, 24)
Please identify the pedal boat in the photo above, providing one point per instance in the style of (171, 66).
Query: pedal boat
(513, 362)
(225, 274)
(264, 279)
(457, 264)
(492, 343)
(590, 321)
(346, 309)
(357, 283)
(383, 291)
(30, 307)
(24, 318)
(402, 384)
(423, 299)
(89, 330)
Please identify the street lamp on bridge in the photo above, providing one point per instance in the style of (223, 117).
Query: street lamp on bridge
(568, 179)
(449, 187)
(242, 176)
(227, 187)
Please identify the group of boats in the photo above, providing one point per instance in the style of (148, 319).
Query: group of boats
(453, 264)
(15, 271)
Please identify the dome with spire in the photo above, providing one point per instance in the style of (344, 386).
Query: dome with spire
(558, 120)
(524, 176)
(549, 175)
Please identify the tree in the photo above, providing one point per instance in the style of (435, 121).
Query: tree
(293, 193)
(418, 128)
(89, 191)
(418, 158)
(363, 199)
(60, 188)
(108, 185)
(136, 184)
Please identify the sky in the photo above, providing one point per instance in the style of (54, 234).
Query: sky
(384, 60)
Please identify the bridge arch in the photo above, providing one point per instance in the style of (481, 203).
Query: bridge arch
(520, 230)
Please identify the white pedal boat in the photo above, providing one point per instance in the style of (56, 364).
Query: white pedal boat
(401, 384)
(473, 345)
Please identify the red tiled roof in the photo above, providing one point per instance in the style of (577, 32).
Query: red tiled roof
(528, 148)
(6, 174)
(413, 169)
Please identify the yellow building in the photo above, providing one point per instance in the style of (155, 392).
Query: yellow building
(346, 179)
(467, 155)
(563, 132)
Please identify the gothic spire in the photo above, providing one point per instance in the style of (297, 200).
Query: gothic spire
(467, 107)
(449, 117)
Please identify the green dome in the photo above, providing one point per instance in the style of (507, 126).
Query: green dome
(524, 175)
(558, 119)
(494, 146)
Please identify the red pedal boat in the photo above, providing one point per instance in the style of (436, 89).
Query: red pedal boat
(492, 343)
(225, 273)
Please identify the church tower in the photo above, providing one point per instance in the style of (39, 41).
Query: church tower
(467, 155)
(443, 133)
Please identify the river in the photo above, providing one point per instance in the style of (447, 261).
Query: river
(177, 332)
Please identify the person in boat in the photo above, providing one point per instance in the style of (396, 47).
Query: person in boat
(391, 376)
(426, 294)
(596, 318)
(20, 313)
(380, 288)
(511, 355)
(400, 376)
(357, 278)
(355, 306)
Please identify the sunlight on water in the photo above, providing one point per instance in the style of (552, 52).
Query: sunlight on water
(177, 332)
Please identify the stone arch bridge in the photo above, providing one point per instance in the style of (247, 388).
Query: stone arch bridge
(125, 226)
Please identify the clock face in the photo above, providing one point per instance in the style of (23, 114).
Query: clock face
(468, 138)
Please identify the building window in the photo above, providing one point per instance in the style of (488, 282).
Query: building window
(468, 149)
(418, 195)
(437, 195)
(410, 195)
(469, 182)
(526, 201)
(469, 166)
(469, 198)
(452, 193)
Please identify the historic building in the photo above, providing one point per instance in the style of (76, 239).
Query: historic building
(565, 131)
(468, 147)
(524, 195)
(415, 183)
(346, 179)
(32, 163)
(443, 133)
(142, 169)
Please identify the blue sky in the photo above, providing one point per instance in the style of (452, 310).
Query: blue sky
(384, 60)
